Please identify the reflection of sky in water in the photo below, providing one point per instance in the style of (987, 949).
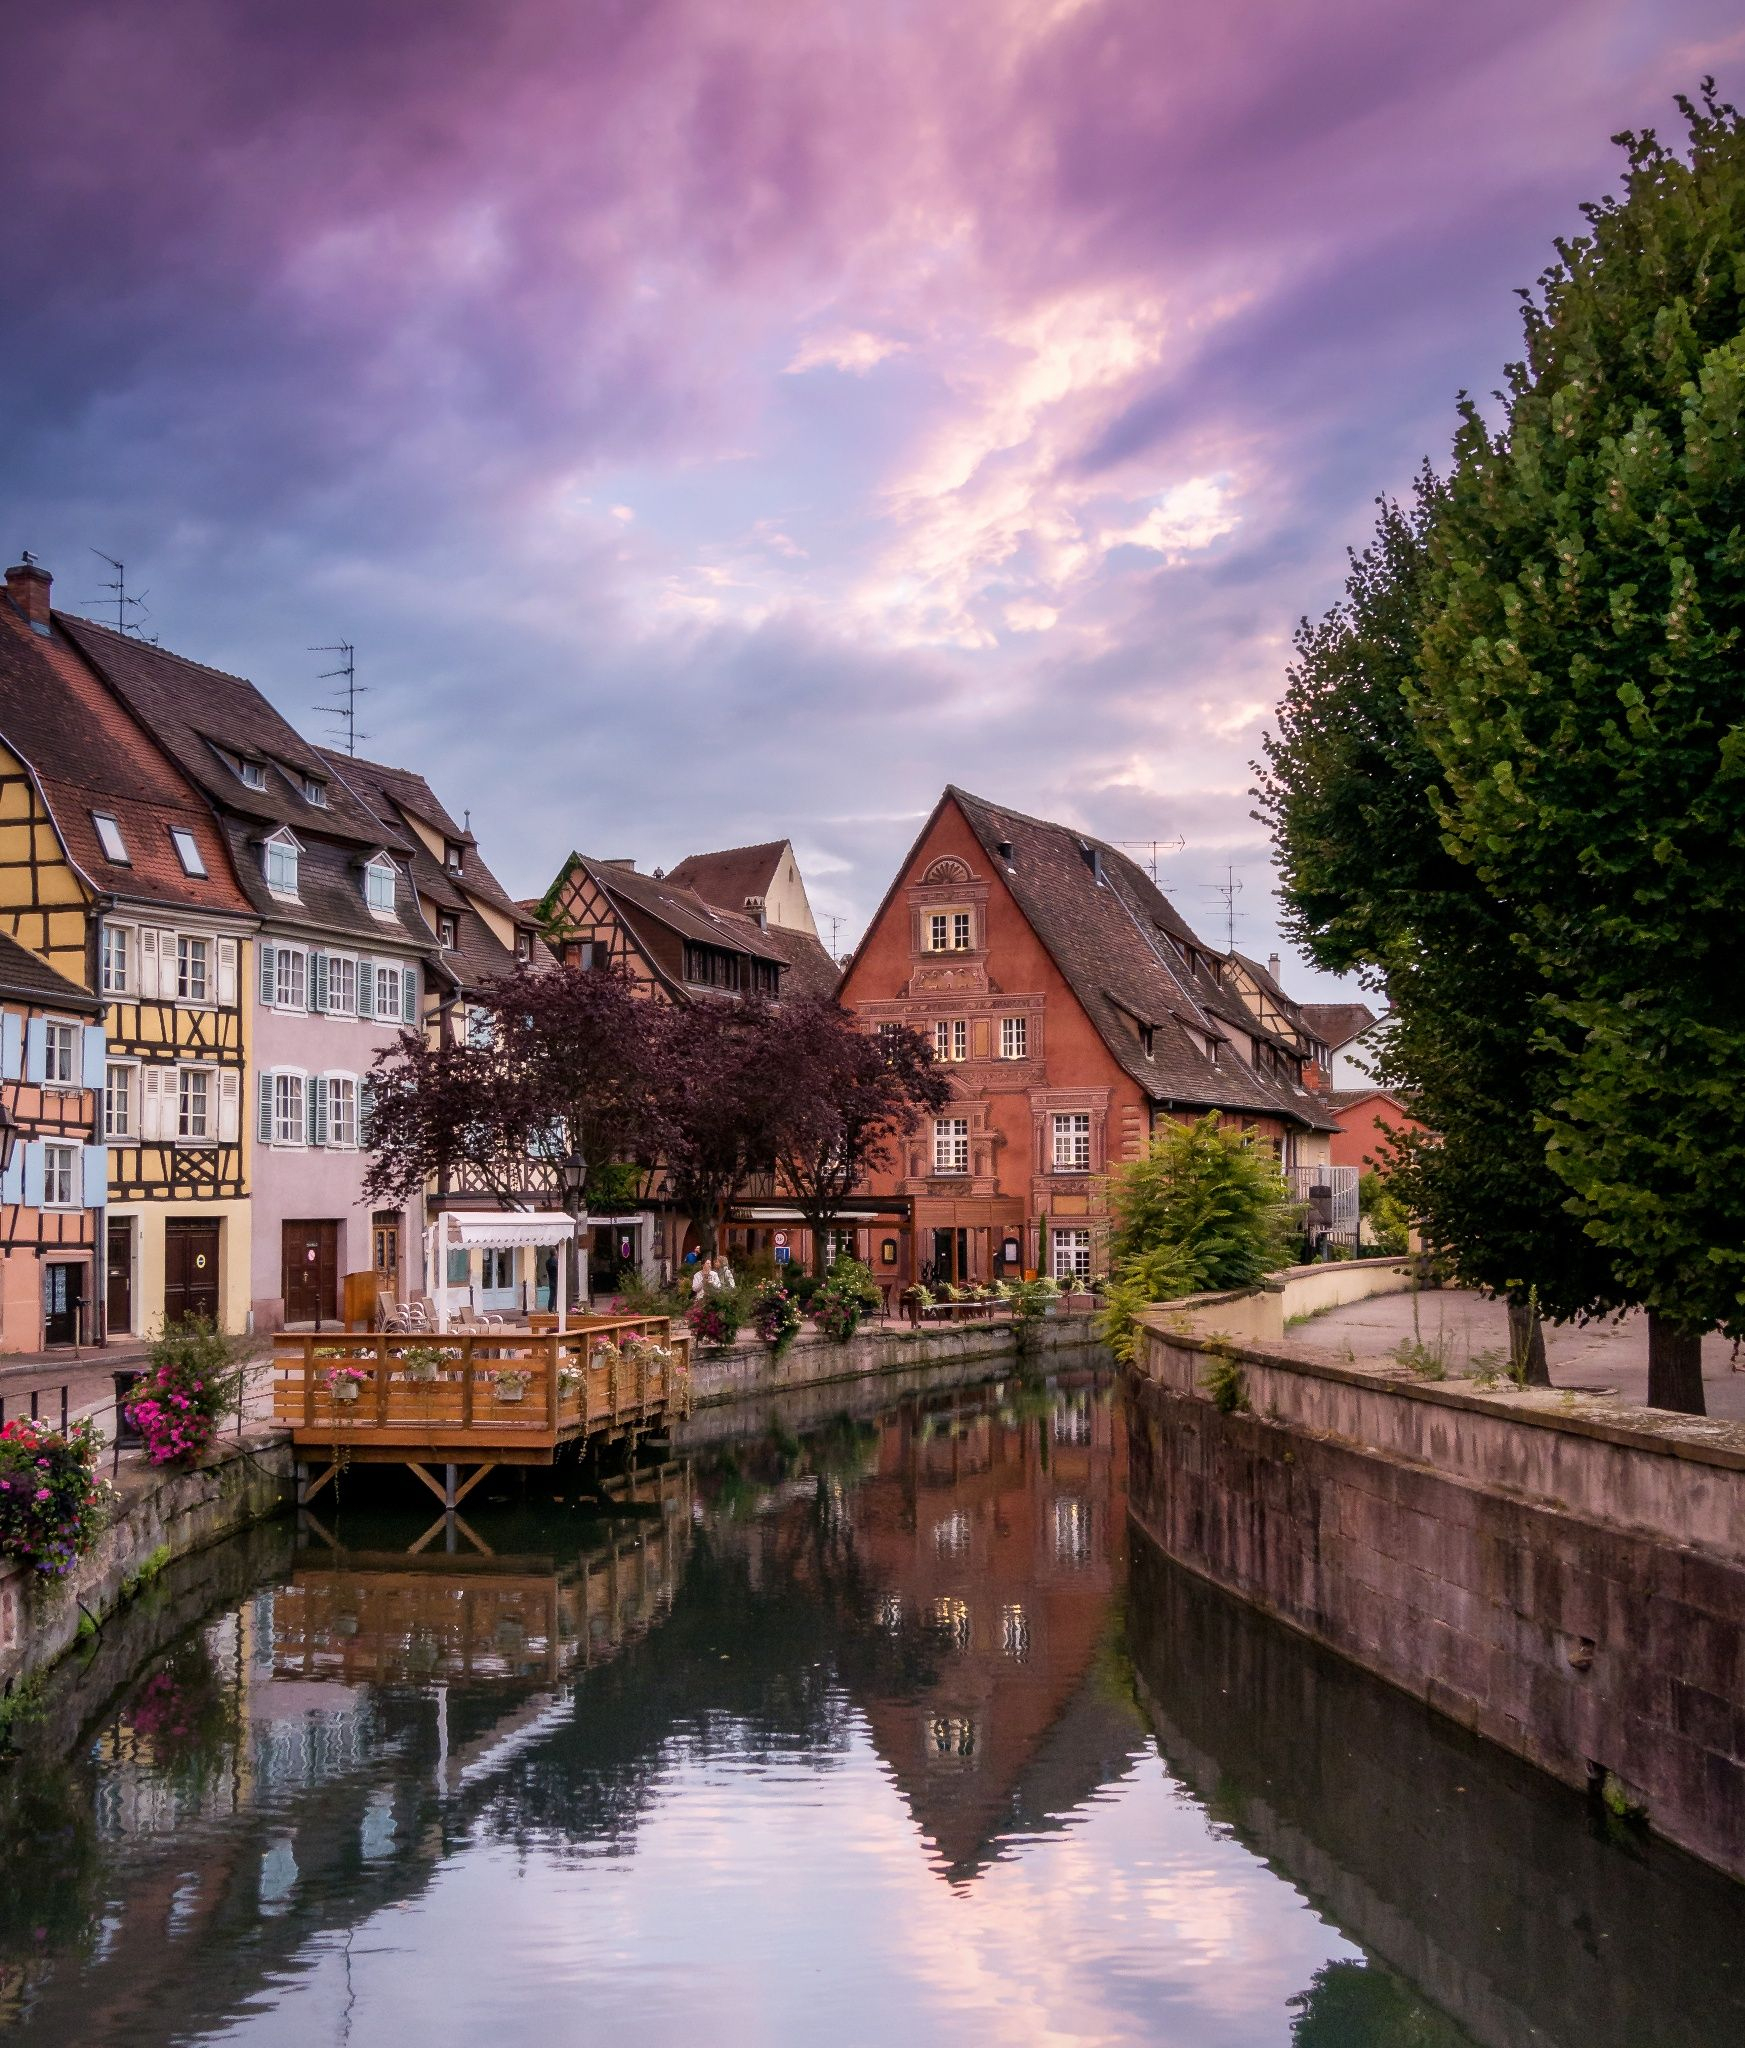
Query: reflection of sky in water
(765, 1902)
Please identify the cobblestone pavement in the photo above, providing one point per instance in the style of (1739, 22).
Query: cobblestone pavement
(1605, 1356)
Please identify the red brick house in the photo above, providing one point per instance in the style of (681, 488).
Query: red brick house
(1076, 1011)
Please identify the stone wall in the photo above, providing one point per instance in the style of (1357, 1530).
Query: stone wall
(162, 1516)
(1560, 1573)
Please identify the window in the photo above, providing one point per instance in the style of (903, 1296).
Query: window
(254, 773)
(287, 1109)
(1072, 1255)
(188, 851)
(193, 1103)
(709, 967)
(481, 1029)
(118, 1100)
(1072, 1142)
(117, 959)
(379, 887)
(61, 1055)
(1014, 1037)
(889, 1030)
(951, 1145)
(524, 945)
(951, 1039)
(588, 953)
(110, 839)
(341, 1109)
(315, 792)
(60, 1166)
(496, 1271)
(447, 931)
(948, 931)
(190, 970)
(281, 864)
(341, 985)
(960, 931)
(387, 1003)
(285, 972)
(453, 856)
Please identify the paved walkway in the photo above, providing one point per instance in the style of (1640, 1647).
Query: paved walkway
(1469, 1329)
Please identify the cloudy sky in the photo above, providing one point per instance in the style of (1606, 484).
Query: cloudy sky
(717, 421)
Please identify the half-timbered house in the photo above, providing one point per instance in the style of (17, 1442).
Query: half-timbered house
(339, 967)
(54, 1170)
(113, 871)
(1075, 1010)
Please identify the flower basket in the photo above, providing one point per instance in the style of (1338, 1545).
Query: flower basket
(511, 1386)
(345, 1383)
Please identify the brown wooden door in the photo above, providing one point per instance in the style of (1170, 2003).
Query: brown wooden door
(311, 1260)
(190, 1269)
(119, 1275)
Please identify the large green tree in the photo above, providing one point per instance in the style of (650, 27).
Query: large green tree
(1369, 886)
(1581, 685)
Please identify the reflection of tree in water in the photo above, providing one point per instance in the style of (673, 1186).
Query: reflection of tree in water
(1364, 2005)
(51, 1869)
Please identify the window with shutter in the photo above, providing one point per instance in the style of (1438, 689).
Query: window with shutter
(318, 981)
(264, 1117)
(227, 957)
(155, 1086)
(229, 1106)
(342, 1110)
(317, 1109)
(341, 985)
(269, 959)
(148, 961)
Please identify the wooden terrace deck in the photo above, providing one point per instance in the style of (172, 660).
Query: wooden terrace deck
(479, 1397)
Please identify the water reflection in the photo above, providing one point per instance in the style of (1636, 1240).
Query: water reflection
(880, 1734)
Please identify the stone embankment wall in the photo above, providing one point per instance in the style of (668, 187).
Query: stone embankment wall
(161, 1516)
(747, 1373)
(1560, 1573)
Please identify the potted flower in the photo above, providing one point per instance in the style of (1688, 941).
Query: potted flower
(345, 1382)
(569, 1382)
(424, 1363)
(511, 1385)
(52, 1504)
(775, 1316)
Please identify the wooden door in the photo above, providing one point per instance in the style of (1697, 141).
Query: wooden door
(190, 1269)
(311, 1267)
(118, 1275)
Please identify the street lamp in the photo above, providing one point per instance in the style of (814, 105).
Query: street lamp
(574, 1173)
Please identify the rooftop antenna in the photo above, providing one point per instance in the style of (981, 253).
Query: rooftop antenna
(116, 593)
(346, 731)
(835, 920)
(1153, 849)
(1229, 889)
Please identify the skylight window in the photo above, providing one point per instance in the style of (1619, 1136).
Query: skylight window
(188, 852)
(110, 839)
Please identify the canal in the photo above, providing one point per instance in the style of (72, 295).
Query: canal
(886, 1732)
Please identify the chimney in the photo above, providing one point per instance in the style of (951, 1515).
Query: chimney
(756, 907)
(28, 587)
(1272, 965)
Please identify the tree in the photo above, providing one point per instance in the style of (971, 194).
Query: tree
(848, 1096)
(566, 1063)
(717, 1103)
(1348, 788)
(1582, 689)
(1205, 1209)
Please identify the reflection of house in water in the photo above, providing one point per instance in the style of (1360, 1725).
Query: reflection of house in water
(985, 1553)
(310, 1759)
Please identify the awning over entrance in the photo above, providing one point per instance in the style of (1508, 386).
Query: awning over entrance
(493, 1230)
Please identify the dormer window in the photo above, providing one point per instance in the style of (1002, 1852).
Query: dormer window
(280, 863)
(524, 945)
(448, 931)
(252, 772)
(110, 839)
(315, 792)
(453, 856)
(188, 852)
(379, 885)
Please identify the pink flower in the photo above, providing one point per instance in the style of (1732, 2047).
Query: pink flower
(42, 1493)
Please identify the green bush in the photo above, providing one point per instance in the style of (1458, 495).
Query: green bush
(847, 1296)
(1386, 1215)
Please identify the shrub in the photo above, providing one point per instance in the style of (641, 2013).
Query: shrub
(1161, 1274)
(52, 1504)
(775, 1316)
(716, 1314)
(848, 1295)
(1387, 1217)
(1030, 1301)
(194, 1380)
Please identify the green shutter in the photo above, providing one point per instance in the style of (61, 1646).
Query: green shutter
(264, 1130)
(269, 958)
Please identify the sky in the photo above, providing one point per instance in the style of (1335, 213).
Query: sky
(716, 422)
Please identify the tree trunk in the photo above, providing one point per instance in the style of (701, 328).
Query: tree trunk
(1675, 1367)
(1527, 1346)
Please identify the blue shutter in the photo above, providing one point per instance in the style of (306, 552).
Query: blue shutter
(96, 1056)
(408, 995)
(12, 1180)
(269, 959)
(33, 1174)
(96, 1176)
(264, 1128)
(366, 988)
(11, 1046)
(36, 1050)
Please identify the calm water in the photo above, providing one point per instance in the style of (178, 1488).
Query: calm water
(890, 1733)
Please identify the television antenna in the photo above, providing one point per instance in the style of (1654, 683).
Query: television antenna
(835, 920)
(127, 608)
(350, 691)
(1153, 850)
(1227, 891)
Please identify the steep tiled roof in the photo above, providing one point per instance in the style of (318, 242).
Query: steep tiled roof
(1126, 951)
(1337, 1024)
(727, 878)
(89, 754)
(24, 978)
(810, 969)
(199, 716)
(683, 911)
(400, 795)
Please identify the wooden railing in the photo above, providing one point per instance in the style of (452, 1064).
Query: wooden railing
(608, 1374)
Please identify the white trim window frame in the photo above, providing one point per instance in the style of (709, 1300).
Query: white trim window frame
(61, 1179)
(1071, 1255)
(341, 985)
(116, 948)
(196, 1105)
(193, 970)
(380, 883)
(342, 1111)
(386, 1006)
(1072, 1141)
(290, 1107)
(951, 1144)
(120, 1101)
(951, 1039)
(60, 1053)
(1014, 1038)
(290, 978)
(280, 858)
